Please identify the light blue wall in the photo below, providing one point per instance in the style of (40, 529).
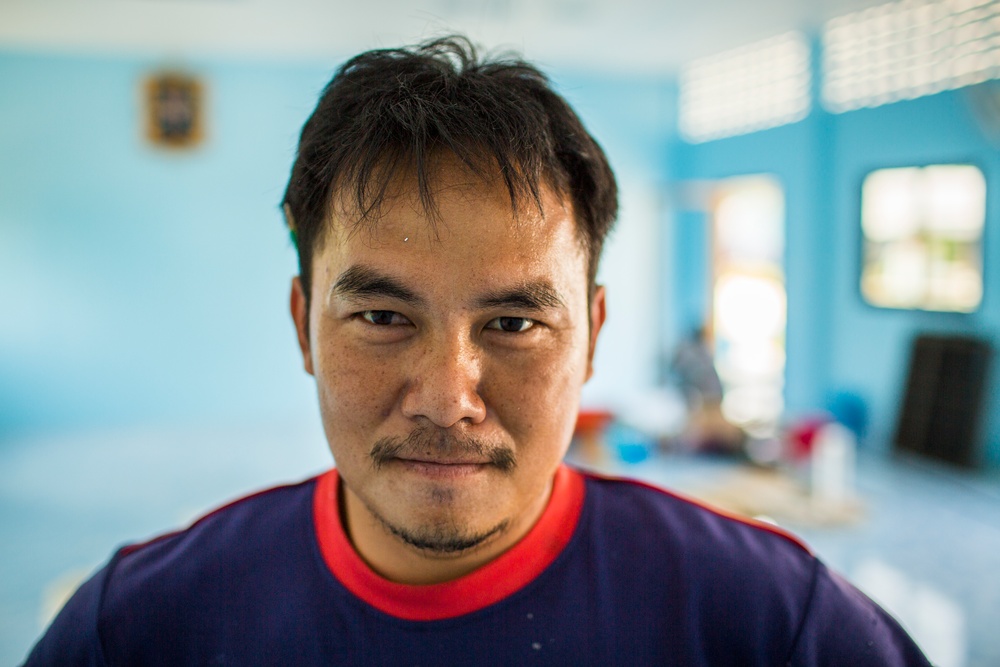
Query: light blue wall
(836, 341)
(138, 285)
(632, 117)
(146, 287)
(633, 120)
(870, 346)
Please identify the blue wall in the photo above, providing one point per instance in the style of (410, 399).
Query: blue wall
(139, 285)
(835, 340)
(871, 344)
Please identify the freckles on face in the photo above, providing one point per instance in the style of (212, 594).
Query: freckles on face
(442, 342)
(530, 397)
(355, 385)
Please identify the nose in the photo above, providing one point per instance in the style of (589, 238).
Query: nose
(445, 383)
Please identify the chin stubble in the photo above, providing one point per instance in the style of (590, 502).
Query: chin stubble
(443, 537)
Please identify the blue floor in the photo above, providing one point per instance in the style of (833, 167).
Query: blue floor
(927, 548)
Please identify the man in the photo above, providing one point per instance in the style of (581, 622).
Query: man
(449, 216)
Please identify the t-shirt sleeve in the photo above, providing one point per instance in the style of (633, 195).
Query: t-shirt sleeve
(72, 637)
(844, 627)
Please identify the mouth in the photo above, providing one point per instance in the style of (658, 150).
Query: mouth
(443, 469)
(441, 460)
(441, 455)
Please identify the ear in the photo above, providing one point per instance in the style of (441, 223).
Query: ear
(300, 315)
(598, 313)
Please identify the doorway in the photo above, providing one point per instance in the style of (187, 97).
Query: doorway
(748, 300)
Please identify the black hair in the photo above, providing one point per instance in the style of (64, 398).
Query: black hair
(389, 110)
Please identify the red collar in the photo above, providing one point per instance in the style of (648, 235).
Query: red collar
(496, 580)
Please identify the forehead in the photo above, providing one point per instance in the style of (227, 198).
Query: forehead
(465, 212)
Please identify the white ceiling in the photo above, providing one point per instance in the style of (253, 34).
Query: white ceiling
(612, 35)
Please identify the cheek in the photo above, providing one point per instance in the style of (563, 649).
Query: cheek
(354, 389)
(540, 399)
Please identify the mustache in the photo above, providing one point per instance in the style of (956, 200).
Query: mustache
(424, 441)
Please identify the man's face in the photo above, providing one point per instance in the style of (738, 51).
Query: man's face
(449, 357)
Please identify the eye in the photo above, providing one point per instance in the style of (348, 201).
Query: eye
(383, 317)
(511, 324)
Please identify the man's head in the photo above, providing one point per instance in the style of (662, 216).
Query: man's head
(395, 110)
(449, 216)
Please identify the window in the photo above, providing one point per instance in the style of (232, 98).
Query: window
(922, 229)
(758, 86)
(908, 49)
(748, 300)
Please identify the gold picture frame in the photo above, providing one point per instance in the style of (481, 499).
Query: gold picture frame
(174, 110)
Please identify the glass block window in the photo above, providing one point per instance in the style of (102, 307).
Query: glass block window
(758, 86)
(908, 49)
(923, 230)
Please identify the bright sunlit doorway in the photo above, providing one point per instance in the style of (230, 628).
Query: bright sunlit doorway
(748, 302)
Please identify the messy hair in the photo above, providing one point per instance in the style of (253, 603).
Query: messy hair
(391, 111)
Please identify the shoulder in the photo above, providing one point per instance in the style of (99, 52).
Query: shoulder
(843, 622)
(737, 582)
(719, 560)
(256, 531)
(230, 531)
(686, 525)
(710, 588)
(150, 591)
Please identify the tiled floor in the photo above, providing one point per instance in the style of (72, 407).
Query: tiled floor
(927, 546)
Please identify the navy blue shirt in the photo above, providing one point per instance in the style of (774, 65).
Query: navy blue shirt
(614, 573)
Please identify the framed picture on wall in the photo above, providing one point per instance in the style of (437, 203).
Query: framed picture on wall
(174, 110)
(922, 231)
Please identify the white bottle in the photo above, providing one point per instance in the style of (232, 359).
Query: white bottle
(833, 460)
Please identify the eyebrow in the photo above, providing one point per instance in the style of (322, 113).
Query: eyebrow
(359, 282)
(535, 296)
